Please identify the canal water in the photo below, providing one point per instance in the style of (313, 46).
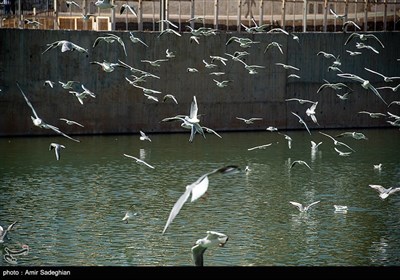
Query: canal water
(69, 212)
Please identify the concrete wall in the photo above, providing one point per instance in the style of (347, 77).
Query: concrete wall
(121, 108)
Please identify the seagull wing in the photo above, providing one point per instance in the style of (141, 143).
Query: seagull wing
(392, 191)
(11, 226)
(213, 235)
(28, 102)
(177, 207)
(199, 187)
(197, 254)
(193, 108)
(298, 205)
(312, 204)
(379, 188)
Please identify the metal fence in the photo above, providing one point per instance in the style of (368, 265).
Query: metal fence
(223, 15)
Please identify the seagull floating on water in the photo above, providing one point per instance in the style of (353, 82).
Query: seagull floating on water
(212, 239)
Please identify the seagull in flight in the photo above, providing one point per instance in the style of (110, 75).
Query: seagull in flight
(385, 192)
(104, 4)
(355, 135)
(135, 39)
(364, 83)
(209, 130)
(127, 7)
(385, 78)
(301, 121)
(57, 149)
(372, 114)
(286, 66)
(249, 121)
(110, 38)
(335, 86)
(129, 214)
(299, 162)
(70, 3)
(311, 112)
(65, 46)
(197, 189)
(336, 15)
(260, 147)
(170, 96)
(364, 46)
(37, 121)
(394, 89)
(327, 55)
(274, 44)
(155, 63)
(139, 161)
(212, 239)
(301, 101)
(3, 232)
(343, 154)
(302, 208)
(288, 138)
(335, 142)
(143, 136)
(70, 122)
(363, 37)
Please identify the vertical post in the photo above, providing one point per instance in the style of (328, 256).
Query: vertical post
(283, 14)
(126, 17)
(113, 17)
(20, 14)
(216, 11)
(140, 16)
(55, 4)
(346, 10)
(325, 22)
(162, 15)
(305, 15)
(385, 16)
(85, 12)
(365, 15)
(166, 14)
(192, 13)
(261, 12)
(239, 15)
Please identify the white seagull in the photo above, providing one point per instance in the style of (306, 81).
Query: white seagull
(336, 142)
(3, 232)
(303, 208)
(249, 121)
(139, 161)
(197, 189)
(364, 83)
(143, 136)
(110, 38)
(385, 78)
(65, 46)
(104, 4)
(37, 121)
(260, 147)
(57, 149)
(301, 121)
(127, 7)
(383, 192)
(212, 239)
(299, 162)
(70, 122)
(135, 39)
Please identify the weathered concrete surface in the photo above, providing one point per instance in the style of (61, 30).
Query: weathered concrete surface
(122, 108)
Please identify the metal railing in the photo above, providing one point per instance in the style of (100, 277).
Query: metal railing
(223, 15)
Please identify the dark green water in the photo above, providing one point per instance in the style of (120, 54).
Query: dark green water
(70, 211)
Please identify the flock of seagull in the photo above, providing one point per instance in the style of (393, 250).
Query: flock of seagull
(192, 121)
